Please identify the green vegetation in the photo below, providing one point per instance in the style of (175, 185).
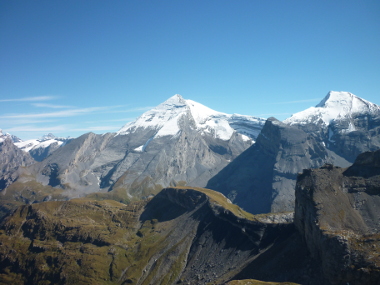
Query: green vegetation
(221, 200)
(20, 193)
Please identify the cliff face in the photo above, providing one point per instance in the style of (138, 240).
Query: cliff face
(182, 235)
(337, 212)
(262, 179)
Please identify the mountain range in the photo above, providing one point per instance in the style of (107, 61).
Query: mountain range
(309, 185)
(253, 161)
(180, 142)
(187, 235)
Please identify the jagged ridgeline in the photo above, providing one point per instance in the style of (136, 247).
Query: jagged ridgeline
(180, 142)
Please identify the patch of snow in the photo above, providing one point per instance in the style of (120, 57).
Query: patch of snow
(27, 145)
(142, 148)
(246, 138)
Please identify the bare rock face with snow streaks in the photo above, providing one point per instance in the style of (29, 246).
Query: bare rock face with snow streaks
(262, 179)
(176, 143)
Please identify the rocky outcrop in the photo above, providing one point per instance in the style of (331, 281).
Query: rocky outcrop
(181, 236)
(11, 158)
(337, 212)
(262, 178)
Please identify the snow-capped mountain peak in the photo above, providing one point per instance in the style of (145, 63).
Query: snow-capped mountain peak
(43, 142)
(164, 119)
(13, 138)
(336, 105)
(48, 136)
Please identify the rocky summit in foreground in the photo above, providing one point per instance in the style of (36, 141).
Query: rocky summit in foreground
(338, 213)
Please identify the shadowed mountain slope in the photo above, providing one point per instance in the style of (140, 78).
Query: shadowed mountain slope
(262, 179)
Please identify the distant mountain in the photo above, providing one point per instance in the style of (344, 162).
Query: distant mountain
(11, 158)
(179, 142)
(39, 149)
(262, 179)
(347, 124)
(165, 121)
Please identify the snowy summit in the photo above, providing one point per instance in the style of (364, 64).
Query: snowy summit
(44, 142)
(336, 105)
(165, 120)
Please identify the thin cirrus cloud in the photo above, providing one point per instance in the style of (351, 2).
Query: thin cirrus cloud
(58, 114)
(71, 113)
(52, 106)
(29, 99)
(28, 128)
(61, 128)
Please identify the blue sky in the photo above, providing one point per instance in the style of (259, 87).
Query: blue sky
(70, 67)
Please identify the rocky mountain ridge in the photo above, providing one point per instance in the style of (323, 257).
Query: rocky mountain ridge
(262, 178)
(179, 142)
(11, 159)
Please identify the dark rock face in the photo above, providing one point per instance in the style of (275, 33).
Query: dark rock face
(262, 178)
(337, 211)
(182, 235)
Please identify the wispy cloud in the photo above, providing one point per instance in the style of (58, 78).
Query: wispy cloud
(44, 105)
(297, 101)
(30, 99)
(26, 121)
(58, 114)
(61, 128)
(29, 128)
